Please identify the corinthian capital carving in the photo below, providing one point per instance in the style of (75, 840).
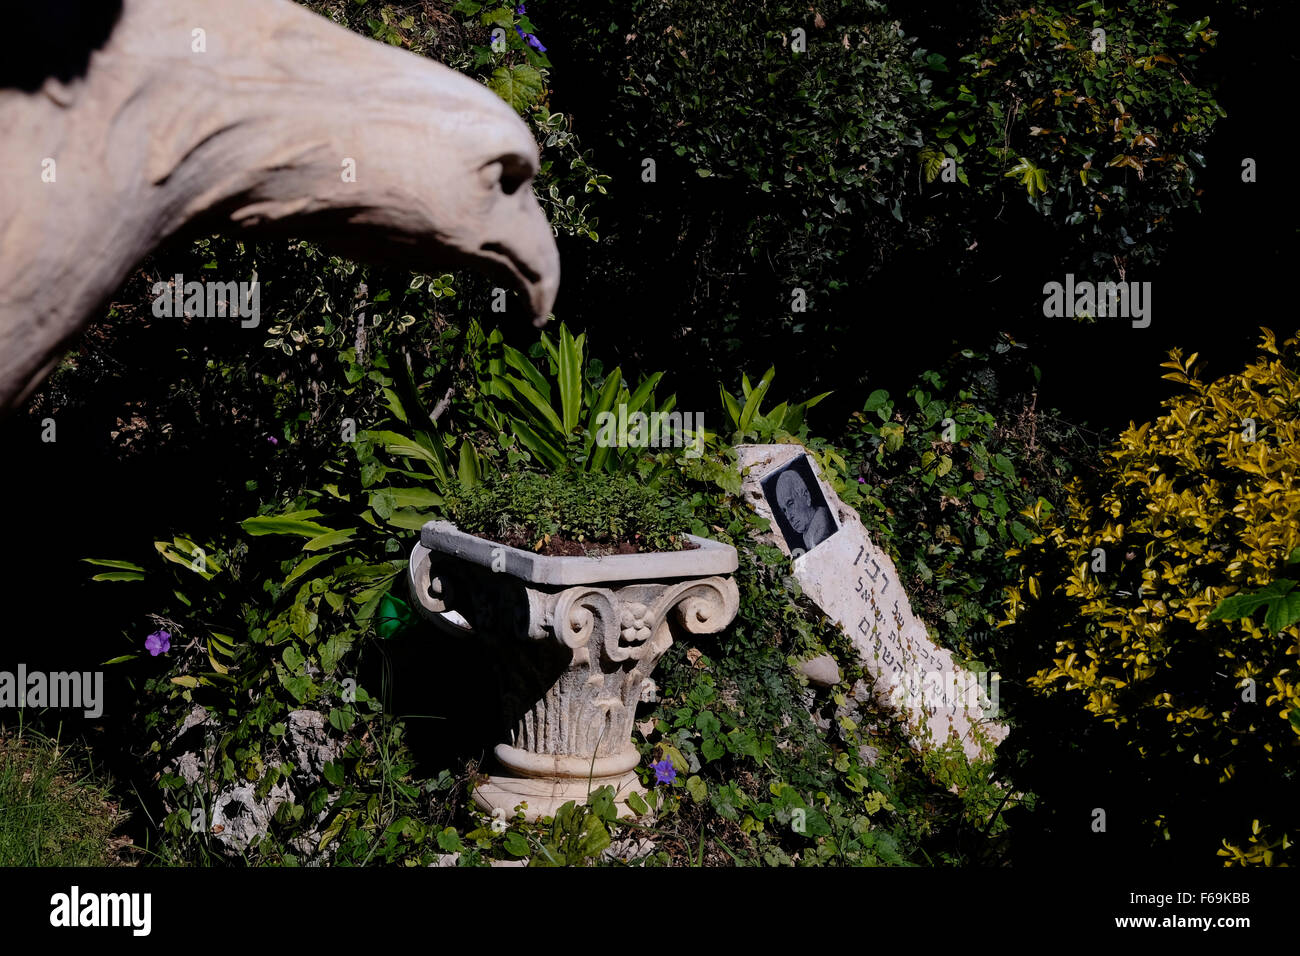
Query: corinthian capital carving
(572, 658)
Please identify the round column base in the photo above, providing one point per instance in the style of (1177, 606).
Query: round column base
(544, 795)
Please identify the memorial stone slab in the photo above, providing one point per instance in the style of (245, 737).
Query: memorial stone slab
(855, 584)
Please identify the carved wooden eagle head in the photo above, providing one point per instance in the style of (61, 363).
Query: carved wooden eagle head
(142, 118)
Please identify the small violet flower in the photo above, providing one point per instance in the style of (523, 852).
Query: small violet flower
(520, 9)
(159, 642)
(664, 771)
(531, 39)
(272, 439)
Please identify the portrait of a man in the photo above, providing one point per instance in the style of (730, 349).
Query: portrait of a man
(798, 505)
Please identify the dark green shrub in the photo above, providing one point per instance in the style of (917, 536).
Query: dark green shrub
(1102, 132)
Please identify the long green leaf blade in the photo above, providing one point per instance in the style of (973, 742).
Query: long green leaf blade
(570, 378)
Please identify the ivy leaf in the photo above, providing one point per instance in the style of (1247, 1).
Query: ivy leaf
(449, 841)
(696, 787)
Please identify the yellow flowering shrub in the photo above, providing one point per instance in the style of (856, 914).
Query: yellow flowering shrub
(1198, 505)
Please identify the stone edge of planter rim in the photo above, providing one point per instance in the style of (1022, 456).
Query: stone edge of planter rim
(708, 558)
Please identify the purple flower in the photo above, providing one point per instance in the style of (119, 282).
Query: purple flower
(664, 771)
(159, 642)
(862, 481)
(519, 9)
(272, 439)
(531, 39)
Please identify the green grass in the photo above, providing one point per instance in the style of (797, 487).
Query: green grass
(54, 809)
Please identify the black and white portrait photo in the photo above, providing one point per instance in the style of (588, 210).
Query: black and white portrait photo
(799, 506)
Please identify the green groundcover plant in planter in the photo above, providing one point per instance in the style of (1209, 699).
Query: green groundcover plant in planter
(578, 514)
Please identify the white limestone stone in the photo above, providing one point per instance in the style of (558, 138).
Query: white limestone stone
(571, 643)
(856, 584)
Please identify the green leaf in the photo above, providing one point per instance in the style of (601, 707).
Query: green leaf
(332, 651)
(330, 539)
(604, 403)
(643, 392)
(392, 498)
(467, 470)
(119, 576)
(449, 840)
(602, 804)
(892, 432)
(304, 566)
(539, 446)
(1283, 612)
(594, 838)
(521, 363)
(515, 844)
(815, 825)
(707, 723)
(292, 523)
(755, 398)
(425, 451)
(679, 762)
(519, 85)
(1244, 605)
(293, 658)
(570, 379)
(638, 805)
(696, 787)
(300, 687)
(128, 566)
(341, 719)
(408, 518)
(537, 406)
(732, 407)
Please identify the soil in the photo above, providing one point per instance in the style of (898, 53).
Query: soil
(561, 547)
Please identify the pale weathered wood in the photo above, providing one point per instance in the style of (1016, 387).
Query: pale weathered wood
(249, 136)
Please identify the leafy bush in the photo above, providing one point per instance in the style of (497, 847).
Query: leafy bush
(781, 161)
(290, 612)
(1103, 130)
(558, 423)
(1199, 505)
(945, 476)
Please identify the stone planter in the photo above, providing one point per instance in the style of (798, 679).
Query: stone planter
(572, 643)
